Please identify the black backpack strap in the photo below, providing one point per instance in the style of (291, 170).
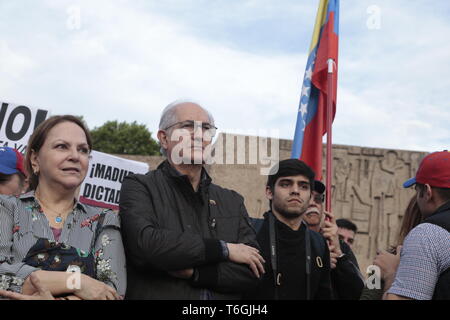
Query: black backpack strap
(311, 239)
(308, 262)
(273, 252)
(314, 241)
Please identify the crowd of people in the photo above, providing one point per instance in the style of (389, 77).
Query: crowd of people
(177, 235)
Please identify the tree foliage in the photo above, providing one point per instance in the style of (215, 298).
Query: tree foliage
(124, 138)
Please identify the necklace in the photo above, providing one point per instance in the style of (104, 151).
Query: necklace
(58, 218)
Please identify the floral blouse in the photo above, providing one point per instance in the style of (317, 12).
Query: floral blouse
(22, 223)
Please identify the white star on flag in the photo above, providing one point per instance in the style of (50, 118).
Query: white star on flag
(308, 73)
(305, 90)
(303, 109)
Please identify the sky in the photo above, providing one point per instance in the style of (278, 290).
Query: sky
(243, 60)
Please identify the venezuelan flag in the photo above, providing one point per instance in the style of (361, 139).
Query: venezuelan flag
(312, 112)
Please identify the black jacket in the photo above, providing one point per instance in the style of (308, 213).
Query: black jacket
(320, 282)
(167, 226)
(346, 279)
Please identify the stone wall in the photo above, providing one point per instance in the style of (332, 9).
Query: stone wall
(367, 188)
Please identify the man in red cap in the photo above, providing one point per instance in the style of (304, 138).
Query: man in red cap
(12, 173)
(424, 269)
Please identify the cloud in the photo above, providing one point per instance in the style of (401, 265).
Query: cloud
(397, 76)
(129, 65)
(244, 60)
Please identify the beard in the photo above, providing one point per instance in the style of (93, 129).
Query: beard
(288, 213)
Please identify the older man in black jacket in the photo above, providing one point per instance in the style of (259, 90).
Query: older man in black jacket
(346, 279)
(185, 237)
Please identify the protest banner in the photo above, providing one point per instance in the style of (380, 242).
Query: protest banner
(17, 123)
(103, 181)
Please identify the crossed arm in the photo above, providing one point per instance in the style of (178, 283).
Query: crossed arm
(180, 253)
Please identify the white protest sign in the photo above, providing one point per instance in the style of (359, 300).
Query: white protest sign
(17, 123)
(103, 181)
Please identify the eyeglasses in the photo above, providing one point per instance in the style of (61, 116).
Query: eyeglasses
(319, 198)
(191, 125)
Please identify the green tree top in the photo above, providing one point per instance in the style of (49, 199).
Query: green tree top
(124, 138)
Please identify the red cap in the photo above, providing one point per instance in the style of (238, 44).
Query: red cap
(433, 170)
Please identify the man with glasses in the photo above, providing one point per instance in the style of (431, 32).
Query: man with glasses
(185, 237)
(346, 278)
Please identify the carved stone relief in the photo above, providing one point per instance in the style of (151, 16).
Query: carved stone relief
(367, 189)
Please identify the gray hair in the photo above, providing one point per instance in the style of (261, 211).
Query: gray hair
(169, 117)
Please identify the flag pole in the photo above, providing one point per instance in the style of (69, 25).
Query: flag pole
(329, 135)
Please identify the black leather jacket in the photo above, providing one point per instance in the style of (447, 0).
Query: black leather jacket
(167, 226)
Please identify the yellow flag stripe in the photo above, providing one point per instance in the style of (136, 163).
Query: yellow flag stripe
(320, 20)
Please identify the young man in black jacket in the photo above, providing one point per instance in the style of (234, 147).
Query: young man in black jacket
(297, 259)
(185, 237)
(346, 279)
